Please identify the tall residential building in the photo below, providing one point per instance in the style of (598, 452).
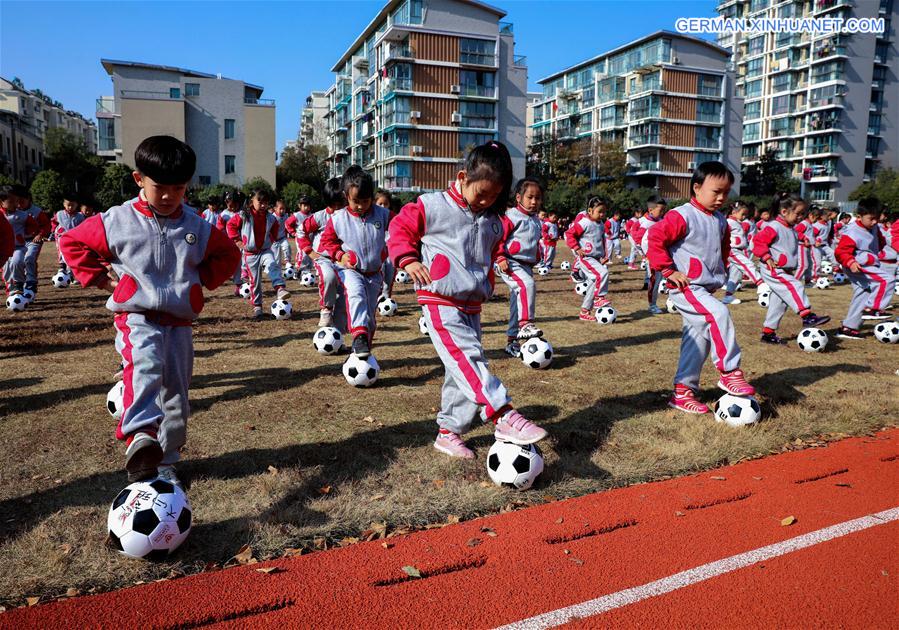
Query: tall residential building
(667, 99)
(25, 117)
(533, 98)
(422, 83)
(313, 126)
(226, 122)
(827, 104)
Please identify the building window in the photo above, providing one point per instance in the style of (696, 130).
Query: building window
(780, 105)
(754, 67)
(481, 52)
(106, 133)
(753, 88)
(751, 132)
(478, 115)
(175, 92)
(191, 89)
(468, 141)
(230, 164)
(205, 180)
(477, 83)
(756, 45)
(709, 137)
(708, 111)
(709, 85)
(229, 129)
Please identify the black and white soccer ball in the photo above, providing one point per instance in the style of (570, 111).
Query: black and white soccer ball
(839, 278)
(361, 372)
(826, 267)
(822, 283)
(762, 288)
(307, 279)
(246, 290)
(115, 400)
(764, 299)
(423, 325)
(513, 466)
(282, 309)
(327, 340)
(581, 288)
(670, 306)
(643, 264)
(16, 302)
(387, 306)
(290, 272)
(402, 276)
(887, 332)
(812, 340)
(149, 519)
(536, 353)
(566, 266)
(663, 288)
(606, 315)
(737, 411)
(28, 294)
(61, 279)
(542, 271)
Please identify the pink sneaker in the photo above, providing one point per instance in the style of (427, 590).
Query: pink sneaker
(586, 316)
(600, 302)
(734, 383)
(514, 427)
(451, 444)
(686, 401)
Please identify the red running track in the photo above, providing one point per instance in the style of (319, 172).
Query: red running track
(544, 560)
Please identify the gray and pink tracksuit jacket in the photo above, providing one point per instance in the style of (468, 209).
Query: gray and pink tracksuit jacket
(22, 225)
(860, 244)
(361, 237)
(522, 234)
(309, 233)
(257, 233)
(587, 238)
(162, 266)
(294, 223)
(458, 246)
(779, 242)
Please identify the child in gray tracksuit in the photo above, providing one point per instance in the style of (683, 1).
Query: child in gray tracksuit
(355, 240)
(690, 246)
(587, 239)
(66, 219)
(281, 246)
(22, 224)
(309, 234)
(448, 243)
(522, 233)
(35, 239)
(161, 258)
(254, 230)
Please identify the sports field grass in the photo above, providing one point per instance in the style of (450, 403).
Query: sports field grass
(285, 457)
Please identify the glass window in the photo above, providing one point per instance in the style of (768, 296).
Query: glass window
(230, 164)
(754, 67)
(708, 137)
(709, 85)
(477, 51)
(191, 89)
(477, 83)
(753, 110)
(753, 88)
(751, 132)
(780, 105)
(175, 92)
(229, 128)
(477, 114)
(708, 111)
(756, 45)
(105, 134)
(468, 141)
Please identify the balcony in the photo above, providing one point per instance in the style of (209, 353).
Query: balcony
(394, 150)
(520, 61)
(829, 51)
(827, 76)
(106, 105)
(831, 101)
(397, 118)
(821, 149)
(477, 59)
(636, 141)
(506, 28)
(479, 91)
(398, 182)
(643, 168)
(822, 6)
(263, 102)
(397, 51)
(152, 96)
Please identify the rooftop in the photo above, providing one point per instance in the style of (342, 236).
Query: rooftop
(109, 64)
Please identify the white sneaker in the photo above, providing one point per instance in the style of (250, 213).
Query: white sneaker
(729, 299)
(325, 318)
(529, 331)
(168, 473)
(283, 293)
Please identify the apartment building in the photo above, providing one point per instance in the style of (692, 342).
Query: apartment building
(533, 98)
(313, 123)
(226, 121)
(423, 82)
(667, 99)
(825, 103)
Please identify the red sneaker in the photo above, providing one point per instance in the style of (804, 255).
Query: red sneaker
(586, 316)
(686, 401)
(734, 383)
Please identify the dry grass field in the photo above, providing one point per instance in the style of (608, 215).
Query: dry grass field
(285, 457)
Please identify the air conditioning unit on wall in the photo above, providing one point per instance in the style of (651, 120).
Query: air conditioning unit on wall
(415, 114)
(416, 149)
(455, 89)
(456, 118)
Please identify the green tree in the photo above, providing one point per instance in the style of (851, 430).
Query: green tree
(304, 165)
(294, 190)
(116, 186)
(767, 176)
(6, 180)
(259, 182)
(47, 190)
(214, 192)
(885, 186)
(67, 154)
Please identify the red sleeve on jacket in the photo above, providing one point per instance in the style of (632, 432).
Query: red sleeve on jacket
(573, 236)
(310, 226)
(406, 231)
(43, 224)
(882, 240)
(725, 244)
(671, 229)
(761, 243)
(290, 226)
(31, 227)
(894, 232)
(233, 226)
(86, 250)
(845, 250)
(330, 243)
(275, 231)
(7, 239)
(219, 261)
(499, 248)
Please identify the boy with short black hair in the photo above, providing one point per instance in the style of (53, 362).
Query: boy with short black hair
(161, 257)
(35, 240)
(22, 224)
(281, 246)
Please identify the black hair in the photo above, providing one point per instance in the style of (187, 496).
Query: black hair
(711, 168)
(234, 195)
(6, 192)
(356, 177)
(869, 206)
(491, 162)
(522, 186)
(261, 192)
(656, 200)
(788, 201)
(333, 193)
(165, 160)
(594, 201)
(21, 191)
(304, 199)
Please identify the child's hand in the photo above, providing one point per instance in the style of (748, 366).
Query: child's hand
(314, 255)
(418, 272)
(503, 266)
(109, 282)
(346, 261)
(38, 239)
(604, 261)
(240, 245)
(855, 267)
(679, 280)
(771, 265)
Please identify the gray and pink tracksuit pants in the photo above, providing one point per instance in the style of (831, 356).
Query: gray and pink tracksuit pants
(361, 297)
(787, 290)
(253, 264)
(872, 288)
(597, 278)
(522, 296)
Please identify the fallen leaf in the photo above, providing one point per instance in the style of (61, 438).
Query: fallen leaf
(210, 566)
(411, 571)
(244, 555)
(485, 484)
(549, 498)
(560, 520)
(844, 485)
(378, 497)
(577, 561)
(473, 542)
(31, 601)
(273, 470)
(268, 570)
(566, 552)
(368, 419)
(719, 478)
(758, 478)
(452, 519)
(249, 427)
(679, 513)
(324, 490)
(386, 545)
(438, 483)
(72, 592)
(489, 532)
(348, 540)
(291, 552)
(65, 548)
(788, 521)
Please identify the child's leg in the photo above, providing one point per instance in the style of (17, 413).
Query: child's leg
(787, 287)
(522, 278)
(512, 328)
(550, 256)
(355, 287)
(142, 347)
(32, 251)
(734, 275)
(817, 257)
(694, 349)
(457, 338)
(655, 281)
(776, 309)
(373, 286)
(327, 284)
(270, 261)
(253, 268)
(176, 375)
(861, 295)
(388, 271)
(711, 318)
(592, 284)
(14, 271)
(881, 288)
(888, 273)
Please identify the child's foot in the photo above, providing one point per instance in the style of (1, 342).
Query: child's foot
(729, 299)
(586, 316)
(451, 444)
(873, 313)
(142, 457)
(849, 333)
(601, 301)
(772, 338)
(655, 310)
(513, 348)
(257, 314)
(645, 286)
(283, 293)
(734, 383)
(168, 473)
(686, 401)
(360, 346)
(514, 427)
(812, 320)
(325, 318)
(529, 331)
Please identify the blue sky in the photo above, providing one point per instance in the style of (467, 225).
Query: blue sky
(286, 46)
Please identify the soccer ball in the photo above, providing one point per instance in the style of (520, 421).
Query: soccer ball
(423, 325)
(643, 264)
(28, 294)
(839, 278)
(606, 315)
(290, 272)
(812, 340)
(827, 267)
(671, 306)
(246, 290)
(402, 277)
(115, 400)
(513, 466)
(149, 520)
(763, 288)
(887, 332)
(307, 279)
(361, 372)
(566, 266)
(542, 271)
(16, 302)
(822, 283)
(663, 288)
(61, 279)
(581, 288)
(764, 298)
(537, 353)
(327, 340)
(896, 290)
(386, 306)
(281, 309)
(737, 411)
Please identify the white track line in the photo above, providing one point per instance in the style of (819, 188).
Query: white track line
(692, 576)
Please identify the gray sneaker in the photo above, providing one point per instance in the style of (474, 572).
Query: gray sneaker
(142, 457)
(513, 349)
(168, 473)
